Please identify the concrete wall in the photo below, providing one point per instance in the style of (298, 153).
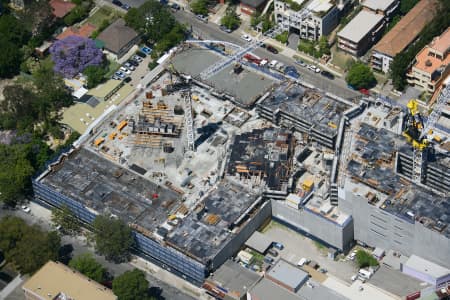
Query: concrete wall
(314, 225)
(378, 228)
(232, 247)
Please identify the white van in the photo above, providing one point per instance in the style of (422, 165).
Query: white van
(364, 274)
(302, 262)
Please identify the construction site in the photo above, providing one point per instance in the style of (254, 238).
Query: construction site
(194, 171)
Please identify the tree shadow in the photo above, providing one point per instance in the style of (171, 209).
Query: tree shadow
(156, 293)
(65, 253)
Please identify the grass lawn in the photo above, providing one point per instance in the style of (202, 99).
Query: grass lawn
(103, 13)
(112, 67)
(340, 58)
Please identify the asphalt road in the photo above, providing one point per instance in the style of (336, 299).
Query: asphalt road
(211, 31)
(158, 288)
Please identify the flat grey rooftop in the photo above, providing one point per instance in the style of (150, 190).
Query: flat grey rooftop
(108, 188)
(268, 290)
(259, 242)
(319, 292)
(360, 25)
(234, 278)
(288, 274)
(208, 228)
(245, 87)
(378, 4)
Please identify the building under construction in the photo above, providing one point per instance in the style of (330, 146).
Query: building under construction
(306, 110)
(390, 211)
(265, 157)
(191, 243)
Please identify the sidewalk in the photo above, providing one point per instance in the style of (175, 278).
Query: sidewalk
(166, 276)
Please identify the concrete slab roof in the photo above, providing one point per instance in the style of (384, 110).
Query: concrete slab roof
(258, 242)
(267, 290)
(426, 267)
(288, 274)
(378, 4)
(360, 25)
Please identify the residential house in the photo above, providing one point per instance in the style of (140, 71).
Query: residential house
(118, 38)
(84, 30)
(57, 281)
(61, 8)
(402, 35)
(432, 64)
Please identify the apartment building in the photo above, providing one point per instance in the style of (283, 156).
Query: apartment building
(361, 33)
(432, 64)
(381, 7)
(58, 282)
(402, 35)
(309, 19)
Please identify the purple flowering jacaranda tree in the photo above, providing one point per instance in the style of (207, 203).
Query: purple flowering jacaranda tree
(73, 54)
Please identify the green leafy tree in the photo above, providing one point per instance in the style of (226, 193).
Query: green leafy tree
(360, 76)
(15, 172)
(151, 19)
(365, 259)
(131, 285)
(79, 13)
(200, 7)
(324, 47)
(95, 75)
(27, 247)
(113, 238)
(67, 220)
(176, 35)
(266, 23)
(231, 20)
(283, 37)
(87, 265)
(407, 5)
(255, 19)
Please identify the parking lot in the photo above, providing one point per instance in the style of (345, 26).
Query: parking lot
(297, 246)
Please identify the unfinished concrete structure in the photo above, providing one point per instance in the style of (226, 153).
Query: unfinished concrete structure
(264, 156)
(306, 110)
(191, 244)
(390, 211)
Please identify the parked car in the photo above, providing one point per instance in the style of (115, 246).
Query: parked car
(302, 262)
(202, 18)
(352, 255)
(268, 259)
(246, 37)
(270, 48)
(125, 70)
(280, 66)
(146, 50)
(120, 74)
(133, 62)
(273, 252)
(140, 54)
(364, 92)
(225, 29)
(323, 270)
(128, 79)
(301, 63)
(115, 77)
(311, 67)
(277, 245)
(126, 6)
(327, 74)
(175, 6)
(354, 277)
(137, 58)
(26, 209)
(117, 2)
(129, 66)
(273, 63)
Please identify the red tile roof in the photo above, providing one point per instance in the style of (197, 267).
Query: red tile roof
(84, 31)
(61, 8)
